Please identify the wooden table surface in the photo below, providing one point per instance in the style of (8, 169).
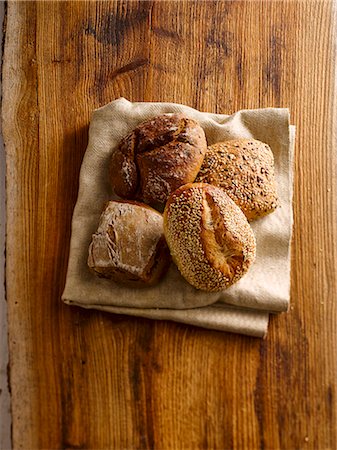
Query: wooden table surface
(85, 379)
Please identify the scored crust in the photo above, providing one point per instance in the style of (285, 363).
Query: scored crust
(244, 168)
(157, 157)
(129, 245)
(209, 237)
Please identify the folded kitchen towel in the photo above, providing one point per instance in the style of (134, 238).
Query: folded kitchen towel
(245, 306)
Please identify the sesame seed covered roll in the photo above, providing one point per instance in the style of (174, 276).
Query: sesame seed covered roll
(209, 237)
(244, 168)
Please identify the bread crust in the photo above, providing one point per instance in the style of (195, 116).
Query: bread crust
(157, 157)
(129, 246)
(209, 237)
(244, 168)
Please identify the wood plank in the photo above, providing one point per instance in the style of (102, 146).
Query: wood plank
(84, 379)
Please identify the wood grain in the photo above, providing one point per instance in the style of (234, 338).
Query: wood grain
(84, 379)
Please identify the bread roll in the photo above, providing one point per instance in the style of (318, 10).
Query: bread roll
(244, 168)
(157, 157)
(209, 237)
(129, 245)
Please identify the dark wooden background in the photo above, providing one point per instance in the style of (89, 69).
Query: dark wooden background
(84, 379)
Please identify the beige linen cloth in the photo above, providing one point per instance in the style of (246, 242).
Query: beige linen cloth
(244, 307)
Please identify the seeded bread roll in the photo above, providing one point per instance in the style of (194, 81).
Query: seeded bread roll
(157, 157)
(244, 168)
(129, 245)
(209, 237)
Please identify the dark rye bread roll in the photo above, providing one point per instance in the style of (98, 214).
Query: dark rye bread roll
(209, 237)
(157, 157)
(244, 168)
(129, 245)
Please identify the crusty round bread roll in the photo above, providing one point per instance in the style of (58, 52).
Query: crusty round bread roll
(129, 245)
(209, 237)
(157, 157)
(244, 168)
